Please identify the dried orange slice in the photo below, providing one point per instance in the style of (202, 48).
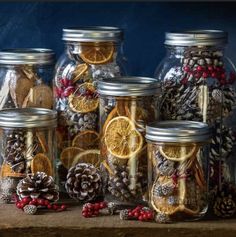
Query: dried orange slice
(68, 154)
(122, 139)
(41, 163)
(178, 153)
(111, 115)
(97, 53)
(42, 141)
(79, 72)
(90, 156)
(86, 140)
(82, 103)
(6, 171)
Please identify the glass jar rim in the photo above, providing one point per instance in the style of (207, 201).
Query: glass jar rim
(178, 131)
(28, 118)
(32, 56)
(128, 86)
(196, 38)
(92, 34)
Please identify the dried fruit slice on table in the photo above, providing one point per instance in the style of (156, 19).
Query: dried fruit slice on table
(85, 99)
(79, 71)
(68, 154)
(86, 140)
(90, 156)
(39, 96)
(122, 139)
(97, 53)
(178, 153)
(41, 163)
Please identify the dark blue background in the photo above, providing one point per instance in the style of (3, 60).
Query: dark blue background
(40, 25)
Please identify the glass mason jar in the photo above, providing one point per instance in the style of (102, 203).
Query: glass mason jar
(90, 54)
(178, 169)
(127, 104)
(27, 146)
(26, 76)
(198, 83)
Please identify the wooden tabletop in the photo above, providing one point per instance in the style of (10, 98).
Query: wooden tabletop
(15, 223)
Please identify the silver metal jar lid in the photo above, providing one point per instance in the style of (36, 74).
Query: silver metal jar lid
(129, 86)
(91, 34)
(178, 131)
(196, 37)
(30, 56)
(28, 118)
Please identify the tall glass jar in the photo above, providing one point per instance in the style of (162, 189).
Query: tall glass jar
(178, 169)
(90, 54)
(198, 83)
(27, 146)
(127, 104)
(25, 78)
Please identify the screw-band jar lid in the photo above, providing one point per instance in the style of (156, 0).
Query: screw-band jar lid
(31, 56)
(178, 131)
(129, 86)
(93, 34)
(28, 118)
(196, 38)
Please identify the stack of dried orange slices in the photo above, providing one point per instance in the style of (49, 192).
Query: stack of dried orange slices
(185, 158)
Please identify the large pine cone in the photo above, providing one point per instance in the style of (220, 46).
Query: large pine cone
(83, 182)
(38, 185)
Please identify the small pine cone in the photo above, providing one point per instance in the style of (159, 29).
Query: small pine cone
(164, 166)
(162, 218)
(83, 182)
(38, 185)
(5, 198)
(15, 150)
(124, 214)
(224, 207)
(30, 209)
(112, 208)
(173, 200)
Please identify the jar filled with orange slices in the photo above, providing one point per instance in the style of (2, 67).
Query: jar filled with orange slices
(90, 53)
(178, 169)
(127, 104)
(27, 146)
(26, 77)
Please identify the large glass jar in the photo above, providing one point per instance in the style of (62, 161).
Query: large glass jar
(198, 83)
(178, 169)
(127, 104)
(90, 54)
(26, 77)
(27, 145)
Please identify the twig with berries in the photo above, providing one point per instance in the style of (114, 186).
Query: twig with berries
(93, 209)
(30, 206)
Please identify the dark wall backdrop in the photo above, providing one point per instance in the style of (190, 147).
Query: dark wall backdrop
(40, 24)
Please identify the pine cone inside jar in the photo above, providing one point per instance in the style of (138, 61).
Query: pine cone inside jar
(83, 182)
(15, 150)
(119, 184)
(38, 185)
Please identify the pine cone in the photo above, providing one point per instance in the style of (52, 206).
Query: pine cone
(83, 182)
(30, 209)
(38, 185)
(162, 218)
(15, 150)
(119, 184)
(164, 166)
(124, 214)
(224, 200)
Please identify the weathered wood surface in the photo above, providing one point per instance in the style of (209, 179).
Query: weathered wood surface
(14, 222)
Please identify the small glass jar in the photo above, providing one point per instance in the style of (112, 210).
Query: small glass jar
(198, 84)
(26, 76)
(178, 169)
(127, 104)
(27, 145)
(90, 54)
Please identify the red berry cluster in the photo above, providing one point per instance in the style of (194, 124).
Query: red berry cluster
(39, 202)
(92, 209)
(66, 88)
(216, 72)
(140, 213)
